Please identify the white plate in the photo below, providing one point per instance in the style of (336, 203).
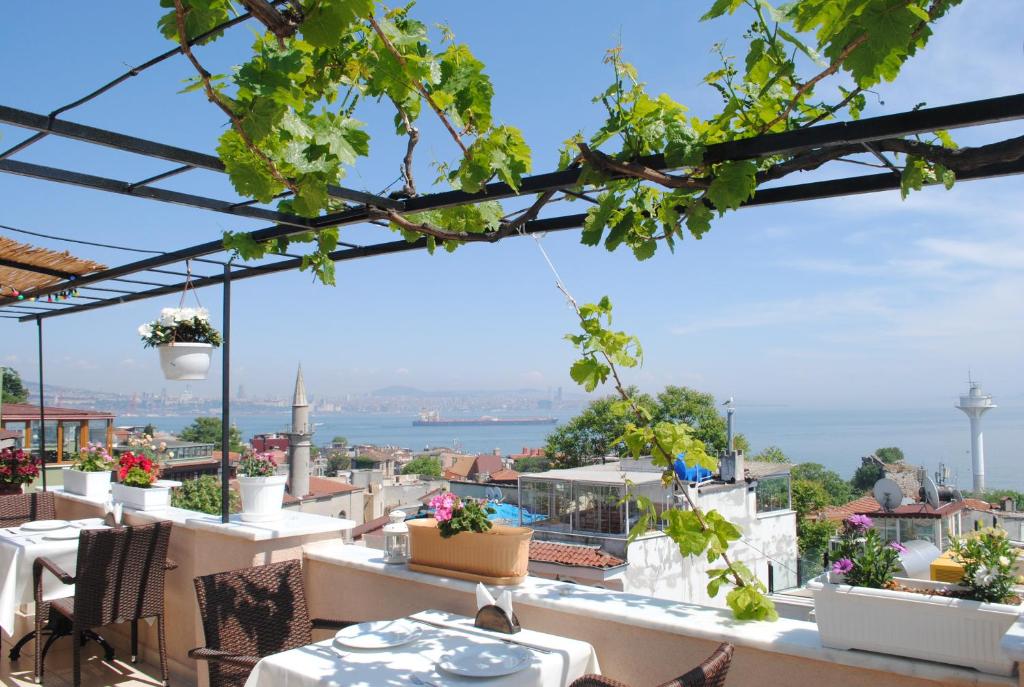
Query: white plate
(44, 525)
(87, 523)
(63, 535)
(381, 634)
(486, 660)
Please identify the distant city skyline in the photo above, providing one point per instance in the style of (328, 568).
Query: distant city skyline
(852, 302)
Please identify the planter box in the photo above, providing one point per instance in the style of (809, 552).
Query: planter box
(8, 489)
(91, 485)
(183, 361)
(262, 497)
(933, 628)
(151, 498)
(499, 556)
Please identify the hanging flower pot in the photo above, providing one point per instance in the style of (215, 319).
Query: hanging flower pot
(185, 339)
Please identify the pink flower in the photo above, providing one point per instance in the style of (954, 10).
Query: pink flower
(842, 566)
(859, 522)
(442, 514)
(899, 547)
(444, 506)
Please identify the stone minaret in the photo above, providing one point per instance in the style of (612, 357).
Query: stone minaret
(299, 441)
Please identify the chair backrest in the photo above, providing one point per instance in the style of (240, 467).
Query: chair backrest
(17, 509)
(253, 612)
(121, 573)
(710, 673)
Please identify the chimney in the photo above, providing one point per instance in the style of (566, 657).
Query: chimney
(299, 441)
(731, 467)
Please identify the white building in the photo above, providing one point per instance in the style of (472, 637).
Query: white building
(595, 507)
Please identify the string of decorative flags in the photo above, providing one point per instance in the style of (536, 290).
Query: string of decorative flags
(50, 297)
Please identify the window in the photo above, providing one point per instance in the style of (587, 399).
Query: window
(917, 528)
(773, 493)
(598, 509)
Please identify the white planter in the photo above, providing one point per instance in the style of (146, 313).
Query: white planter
(151, 498)
(933, 628)
(182, 361)
(92, 485)
(262, 497)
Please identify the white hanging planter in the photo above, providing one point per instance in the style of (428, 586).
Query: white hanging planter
(262, 497)
(92, 485)
(142, 498)
(933, 628)
(185, 361)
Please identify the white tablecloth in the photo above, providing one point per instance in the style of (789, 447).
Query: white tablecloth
(17, 553)
(323, 664)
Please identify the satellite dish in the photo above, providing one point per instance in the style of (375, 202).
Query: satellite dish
(931, 492)
(958, 495)
(887, 493)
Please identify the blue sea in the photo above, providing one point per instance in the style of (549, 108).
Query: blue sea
(835, 438)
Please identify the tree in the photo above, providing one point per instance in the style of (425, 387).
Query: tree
(424, 466)
(149, 429)
(770, 454)
(808, 497)
(207, 430)
(203, 494)
(533, 464)
(813, 536)
(14, 390)
(890, 454)
(337, 461)
(593, 433)
(866, 476)
(339, 441)
(837, 489)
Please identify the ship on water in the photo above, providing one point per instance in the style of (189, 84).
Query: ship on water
(432, 418)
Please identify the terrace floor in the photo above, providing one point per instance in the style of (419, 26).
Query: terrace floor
(95, 671)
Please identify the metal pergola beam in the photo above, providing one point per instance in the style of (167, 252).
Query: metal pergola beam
(784, 194)
(189, 159)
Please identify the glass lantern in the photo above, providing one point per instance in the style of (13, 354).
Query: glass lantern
(396, 539)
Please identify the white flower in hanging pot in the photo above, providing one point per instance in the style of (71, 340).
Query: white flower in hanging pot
(185, 339)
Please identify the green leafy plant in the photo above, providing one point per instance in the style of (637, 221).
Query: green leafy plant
(454, 515)
(180, 325)
(424, 465)
(203, 494)
(989, 561)
(257, 465)
(862, 558)
(94, 458)
(137, 470)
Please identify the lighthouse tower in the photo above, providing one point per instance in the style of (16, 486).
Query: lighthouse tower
(975, 404)
(300, 440)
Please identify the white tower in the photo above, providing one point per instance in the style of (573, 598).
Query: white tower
(299, 441)
(975, 404)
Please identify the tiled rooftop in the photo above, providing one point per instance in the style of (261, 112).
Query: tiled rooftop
(573, 554)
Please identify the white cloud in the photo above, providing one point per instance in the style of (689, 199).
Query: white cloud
(994, 254)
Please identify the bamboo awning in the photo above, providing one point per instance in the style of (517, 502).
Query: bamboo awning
(24, 267)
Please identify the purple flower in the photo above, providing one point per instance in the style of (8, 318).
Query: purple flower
(899, 547)
(842, 566)
(859, 522)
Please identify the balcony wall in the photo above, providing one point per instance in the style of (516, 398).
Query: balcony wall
(639, 640)
(201, 545)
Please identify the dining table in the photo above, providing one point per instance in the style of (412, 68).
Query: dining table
(20, 547)
(427, 659)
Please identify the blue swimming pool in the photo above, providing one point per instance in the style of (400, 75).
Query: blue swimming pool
(509, 514)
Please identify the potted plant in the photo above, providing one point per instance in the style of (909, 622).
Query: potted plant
(860, 604)
(136, 489)
(89, 475)
(262, 488)
(460, 541)
(185, 339)
(16, 468)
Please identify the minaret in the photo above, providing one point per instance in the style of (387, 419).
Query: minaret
(975, 404)
(299, 441)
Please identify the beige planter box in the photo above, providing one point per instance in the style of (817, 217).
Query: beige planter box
(499, 556)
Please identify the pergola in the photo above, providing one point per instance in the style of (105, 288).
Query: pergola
(105, 287)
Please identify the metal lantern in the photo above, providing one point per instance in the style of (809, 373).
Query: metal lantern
(396, 539)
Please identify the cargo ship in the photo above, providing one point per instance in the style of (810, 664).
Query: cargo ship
(433, 419)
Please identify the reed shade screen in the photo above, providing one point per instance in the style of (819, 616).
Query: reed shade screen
(32, 256)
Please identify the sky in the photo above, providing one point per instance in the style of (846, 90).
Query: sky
(851, 302)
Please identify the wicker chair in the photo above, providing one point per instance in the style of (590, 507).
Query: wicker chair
(251, 613)
(17, 509)
(710, 673)
(119, 577)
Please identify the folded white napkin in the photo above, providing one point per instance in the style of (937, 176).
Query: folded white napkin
(114, 508)
(484, 598)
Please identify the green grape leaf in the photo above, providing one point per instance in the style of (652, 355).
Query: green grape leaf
(326, 20)
(249, 175)
(733, 184)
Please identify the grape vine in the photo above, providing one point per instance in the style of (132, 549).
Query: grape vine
(293, 134)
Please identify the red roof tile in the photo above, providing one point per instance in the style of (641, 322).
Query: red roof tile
(504, 475)
(573, 554)
(865, 504)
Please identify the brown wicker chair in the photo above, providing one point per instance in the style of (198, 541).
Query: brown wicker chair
(710, 673)
(17, 509)
(119, 577)
(251, 613)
